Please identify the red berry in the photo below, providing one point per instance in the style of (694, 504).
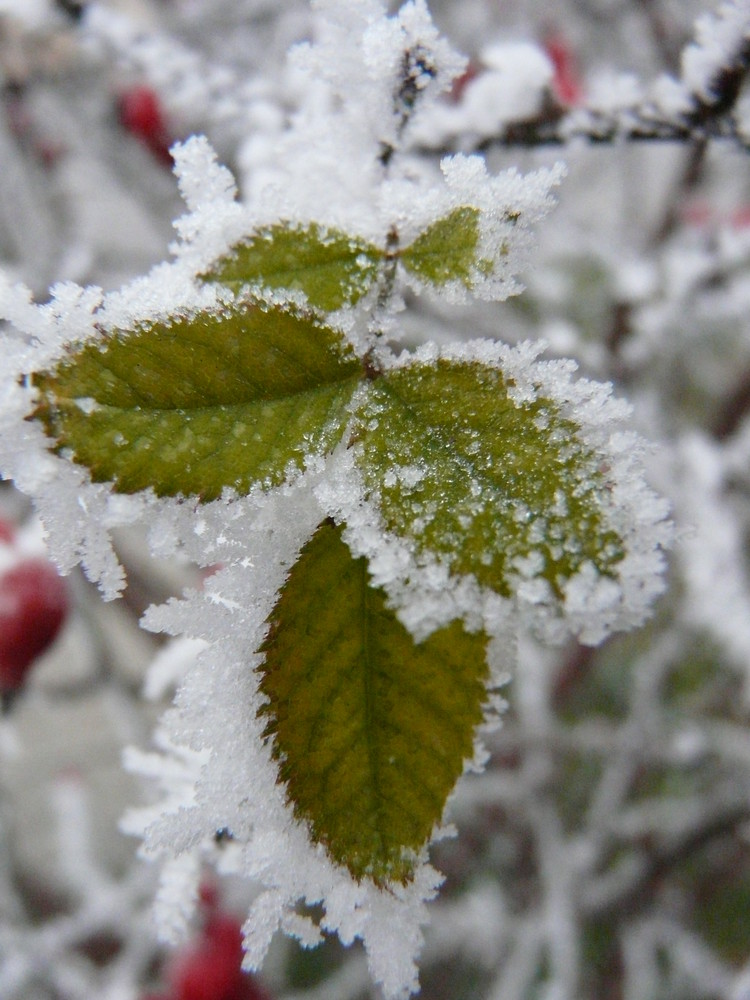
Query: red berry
(7, 532)
(208, 896)
(460, 83)
(212, 968)
(566, 82)
(33, 606)
(740, 217)
(141, 114)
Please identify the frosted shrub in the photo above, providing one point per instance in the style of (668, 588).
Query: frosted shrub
(393, 519)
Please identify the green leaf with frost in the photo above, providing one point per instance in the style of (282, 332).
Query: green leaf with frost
(499, 489)
(371, 730)
(330, 267)
(201, 403)
(447, 250)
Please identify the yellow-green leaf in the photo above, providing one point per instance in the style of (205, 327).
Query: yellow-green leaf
(330, 267)
(447, 250)
(499, 489)
(202, 403)
(371, 730)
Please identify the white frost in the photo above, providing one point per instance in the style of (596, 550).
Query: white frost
(341, 159)
(718, 41)
(231, 782)
(427, 595)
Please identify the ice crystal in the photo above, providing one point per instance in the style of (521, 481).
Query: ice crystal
(343, 186)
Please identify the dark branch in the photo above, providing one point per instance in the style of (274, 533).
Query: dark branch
(73, 8)
(416, 67)
(709, 118)
(733, 411)
(632, 125)
(665, 43)
(725, 87)
(665, 858)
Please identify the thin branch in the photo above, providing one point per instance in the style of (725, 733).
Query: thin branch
(663, 859)
(709, 118)
(692, 173)
(636, 124)
(733, 411)
(725, 86)
(667, 46)
(573, 670)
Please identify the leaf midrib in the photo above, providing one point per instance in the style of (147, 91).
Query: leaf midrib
(294, 272)
(72, 402)
(370, 699)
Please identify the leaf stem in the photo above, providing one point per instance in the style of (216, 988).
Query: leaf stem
(389, 270)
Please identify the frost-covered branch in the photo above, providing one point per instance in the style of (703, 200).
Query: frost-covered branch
(481, 505)
(698, 105)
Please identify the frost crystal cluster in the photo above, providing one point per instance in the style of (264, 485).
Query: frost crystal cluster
(387, 514)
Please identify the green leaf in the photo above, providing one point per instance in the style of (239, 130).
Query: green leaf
(371, 729)
(331, 268)
(203, 403)
(447, 250)
(495, 488)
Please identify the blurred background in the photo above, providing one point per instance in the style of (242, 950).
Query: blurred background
(605, 852)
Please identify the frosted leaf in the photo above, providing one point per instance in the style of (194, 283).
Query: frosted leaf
(77, 513)
(437, 557)
(368, 752)
(330, 268)
(481, 226)
(233, 781)
(204, 403)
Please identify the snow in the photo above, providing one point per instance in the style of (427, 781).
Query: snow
(34, 12)
(718, 39)
(715, 574)
(511, 86)
(233, 781)
(367, 84)
(424, 592)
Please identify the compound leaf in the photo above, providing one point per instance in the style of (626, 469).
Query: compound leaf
(330, 267)
(447, 250)
(502, 490)
(201, 403)
(371, 729)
